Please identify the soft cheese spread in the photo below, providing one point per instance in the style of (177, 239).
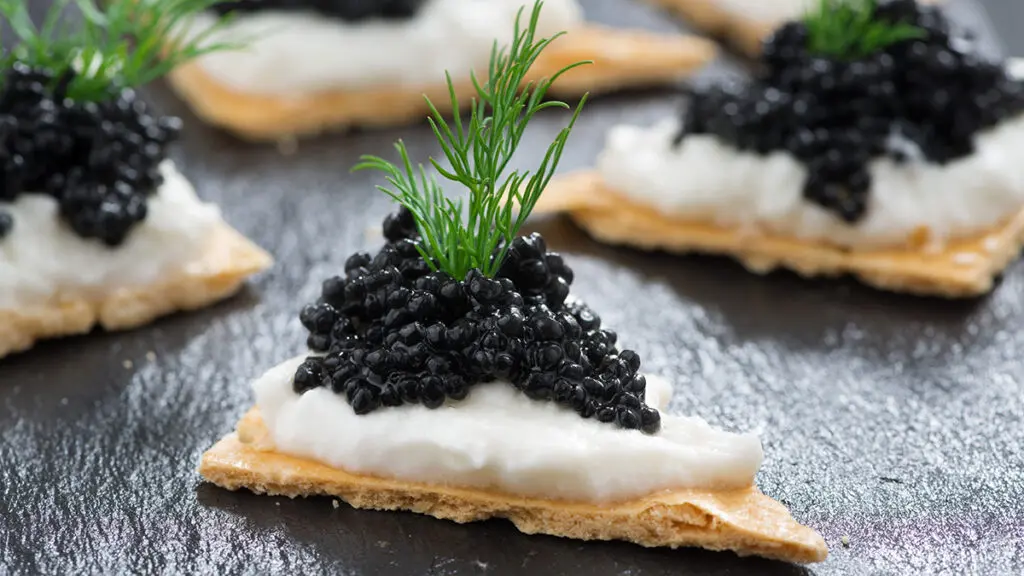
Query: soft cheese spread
(290, 52)
(499, 439)
(705, 179)
(42, 258)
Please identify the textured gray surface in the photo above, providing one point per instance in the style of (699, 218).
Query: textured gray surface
(889, 420)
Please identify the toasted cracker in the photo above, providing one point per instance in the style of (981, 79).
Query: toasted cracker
(744, 34)
(621, 59)
(744, 521)
(962, 268)
(228, 260)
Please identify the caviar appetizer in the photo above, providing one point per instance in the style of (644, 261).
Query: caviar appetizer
(744, 24)
(888, 155)
(97, 226)
(313, 65)
(452, 374)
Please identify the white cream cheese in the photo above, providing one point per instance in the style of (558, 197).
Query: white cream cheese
(767, 11)
(498, 439)
(42, 258)
(705, 179)
(288, 53)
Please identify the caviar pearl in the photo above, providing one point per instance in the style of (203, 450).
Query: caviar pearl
(6, 224)
(835, 117)
(389, 339)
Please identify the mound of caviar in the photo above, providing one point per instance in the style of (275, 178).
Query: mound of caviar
(393, 332)
(347, 10)
(923, 98)
(99, 160)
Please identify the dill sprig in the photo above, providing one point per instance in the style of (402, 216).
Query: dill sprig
(124, 44)
(452, 240)
(848, 29)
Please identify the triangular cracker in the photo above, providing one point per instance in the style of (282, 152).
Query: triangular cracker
(622, 59)
(744, 521)
(962, 268)
(742, 33)
(228, 260)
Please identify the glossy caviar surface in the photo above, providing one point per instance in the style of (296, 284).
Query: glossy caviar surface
(920, 99)
(348, 10)
(99, 160)
(393, 332)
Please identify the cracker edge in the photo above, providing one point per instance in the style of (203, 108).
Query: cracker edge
(623, 58)
(609, 217)
(744, 521)
(229, 259)
(744, 34)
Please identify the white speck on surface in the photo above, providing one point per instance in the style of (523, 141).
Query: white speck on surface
(128, 364)
(846, 541)
(335, 503)
(480, 564)
(151, 356)
(64, 401)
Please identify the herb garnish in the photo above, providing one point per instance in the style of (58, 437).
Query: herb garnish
(452, 241)
(848, 29)
(125, 44)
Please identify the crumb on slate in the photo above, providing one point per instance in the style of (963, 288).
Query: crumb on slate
(335, 503)
(151, 356)
(846, 541)
(128, 364)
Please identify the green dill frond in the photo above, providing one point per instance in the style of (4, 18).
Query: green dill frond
(124, 44)
(457, 238)
(848, 29)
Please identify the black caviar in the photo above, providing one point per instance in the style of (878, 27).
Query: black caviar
(393, 332)
(925, 97)
(99, 160)
(347, 10)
